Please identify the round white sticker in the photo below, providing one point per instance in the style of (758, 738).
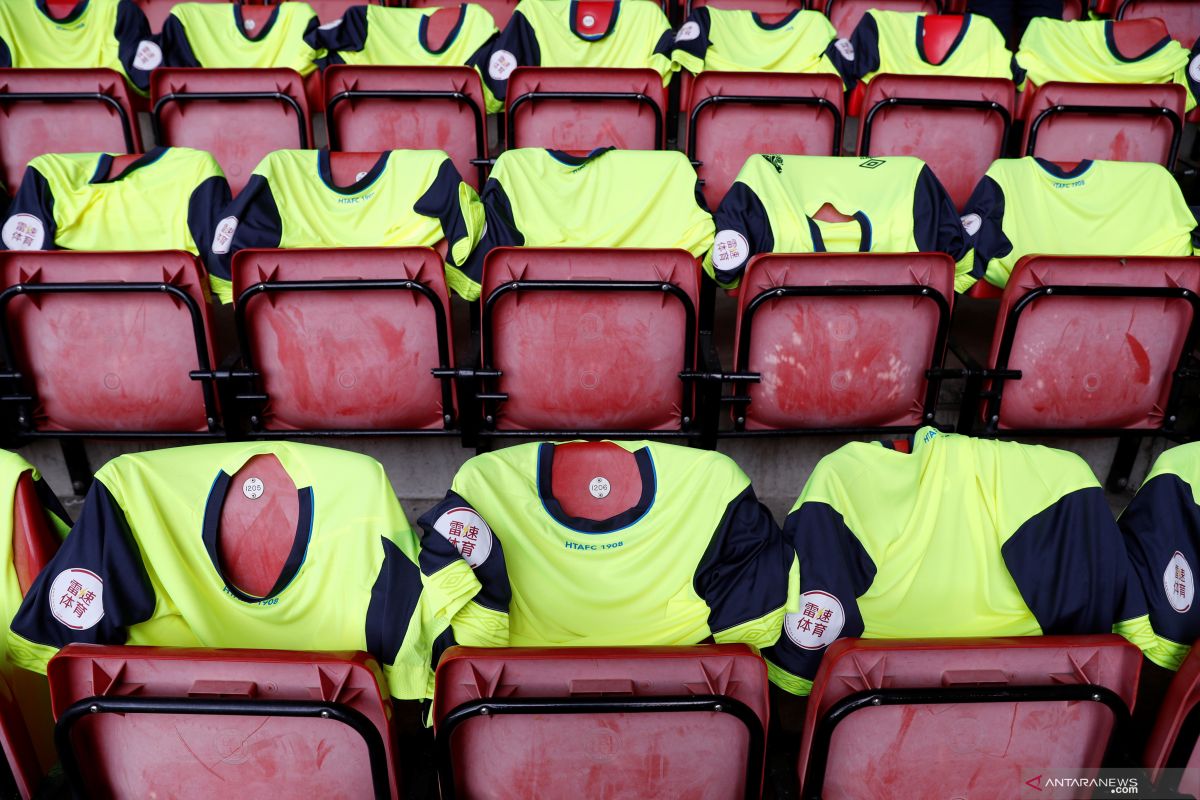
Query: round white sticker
(23, 232)
(77, 598)
(359, 176)
(223, 238)
(148, 56)
(818, 623)
(252, 488)
(845, 48)
(467, 531)
(1179, 583)
(1194, 69)
(249, 24)
(599, 488)
(730, 250)
(971, 223)
(501, 65)
(588, 20)
(688, 32)
(328, 26)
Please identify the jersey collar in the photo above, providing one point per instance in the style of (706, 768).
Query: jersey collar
(773, 26)
(864, 242)
(1111, 42)
(545, 467)
(593, 37)
(240, 24)
(564, 157)
(104, 164)
(326, 173)
(75, 13)
(1058, 172)
(423, 32)
(962, 33)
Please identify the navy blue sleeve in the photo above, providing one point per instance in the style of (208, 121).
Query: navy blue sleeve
(176, 50)
(453, 530)
(692, 36)
(441, 201)
(252, 220)
(1071, 567)
(741, 220)
(137, 49)
(5, 55)
(348, 33)
(983, 222)
(30, 224)
(51, 505)
(835, 570)
(205, 205)
(394, 598)
(499, 228)
(1193, 70)
(95, 587)
(937, 228)
(859, 55)
(744, 572)
(516, 46)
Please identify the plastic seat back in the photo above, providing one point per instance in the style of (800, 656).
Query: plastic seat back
(1069, 122)
(829, 354)
(958, 126)
(759, 6)
(925, 738)
(179, 722)
(733, 115)
(590, 358)
(574, 108)
(62, 111)
(610, 747)
(501, 10)
(1097, 362)
(845, 14)
(1173, 742)
(1182, 17)
(349, 358)
(109, 359)
(413, 108)
(157, 11)
(238, 115)
(575, 486)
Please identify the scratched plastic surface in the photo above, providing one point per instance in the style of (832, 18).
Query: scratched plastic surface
(965, 751)
(1094, 362)
(687, 755)
(1182, 17)
(133, 375)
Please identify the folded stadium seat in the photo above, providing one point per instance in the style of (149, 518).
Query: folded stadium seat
(1069, 122)
(845, 14)
(344, 340)
(63, 111)
(586, 340)
(958, 126)
(964, 717)
(840, 341)
(1174, 739)
(157, 11)
(732, 115)
(501, 10)
(150, 721)
(601, 722)
(1182, 17)
(238, 115)
(418, 108)
(571, 108)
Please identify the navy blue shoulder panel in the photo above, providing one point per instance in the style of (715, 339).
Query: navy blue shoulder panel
(394, 598)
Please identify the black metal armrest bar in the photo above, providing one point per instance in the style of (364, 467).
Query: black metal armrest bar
(218, 707)
(181, 97)
(818, 756)
(601, 705)
(1130, 111)
(443, 372)
(578, 97)
(720, 99)
(113, 287)
(54, 97)
(937, 103)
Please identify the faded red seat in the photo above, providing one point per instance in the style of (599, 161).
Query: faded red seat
(1182, 17)
(845, 14)
(758, 6)
(501, 10)
(1173, 741)
(156, 11)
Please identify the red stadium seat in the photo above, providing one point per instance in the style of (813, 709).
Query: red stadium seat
(733, 115)
(409, 108)
(238, 115)
(1182, 17)
(958, 126)
(332, 10)
(345, 340)
(1173, 741)
(845, 14)
(104, 343)
(178, 722)
(841, 341)
(759, 6)
(1069, 122)
(501, 10)
(62, 111)
(601, 722)
(589, 340)
(963, 717)
(565, 108)
(157, 11)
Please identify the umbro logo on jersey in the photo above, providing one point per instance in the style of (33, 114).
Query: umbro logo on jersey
(776, 162)
(872, 163)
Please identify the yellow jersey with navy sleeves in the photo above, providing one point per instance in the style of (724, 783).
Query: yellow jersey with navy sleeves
(729, 40)
(168, 199)
(896, 205)
(543, 33)
(959, 537)
(607, 198)
(215, 35)
(1029, 206)
(142, 561)
(409, 198)
(112, 34)
(388, 36)
(1085, 51)
(1162, 534)
(696, 556)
